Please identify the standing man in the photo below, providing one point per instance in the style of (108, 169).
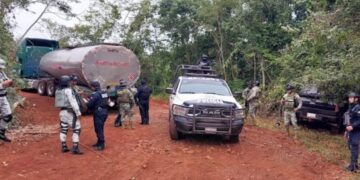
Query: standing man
(291, 103)
(69, 115)
(75, 90)
(120, 87)
(98, 103)
(353, 129)
(125, 100)
(245, 95)
(253, 100)
(142, 98)
(5, 110)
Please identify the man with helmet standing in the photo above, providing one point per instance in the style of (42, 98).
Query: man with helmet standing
(98, 103)
(5, 110)
(245, 95)
(142, 98)
(69, 115)
(120, 87)
(253, 100)
(353, 129)
(291, 103)
(204, 61)
(125, 101)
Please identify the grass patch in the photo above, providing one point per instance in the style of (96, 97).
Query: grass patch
(160, 96)
(331, 147)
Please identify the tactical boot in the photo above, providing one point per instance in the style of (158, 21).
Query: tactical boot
(76, 149)
(3, 136)
(64, 147)
(96, 144)
(100, 147)
(132, 125)
(351, 168)
(117, 122)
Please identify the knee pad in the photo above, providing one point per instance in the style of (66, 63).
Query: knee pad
(77, 131)
(8, 118)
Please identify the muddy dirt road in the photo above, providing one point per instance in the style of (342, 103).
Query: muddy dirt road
(148, 153)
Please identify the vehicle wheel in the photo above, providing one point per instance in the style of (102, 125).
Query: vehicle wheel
(41, 89)
(50, 88)
(232, 138)
(174, 134)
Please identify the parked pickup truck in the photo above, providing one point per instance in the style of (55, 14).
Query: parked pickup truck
(316, 109)
(201, 103)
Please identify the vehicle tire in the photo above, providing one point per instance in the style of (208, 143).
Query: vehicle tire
(231, 138)
(234, 139)
(50, 88)
(41, 89)
(174, 134)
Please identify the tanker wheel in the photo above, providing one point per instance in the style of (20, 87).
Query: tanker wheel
(50, 88)
(41, 89)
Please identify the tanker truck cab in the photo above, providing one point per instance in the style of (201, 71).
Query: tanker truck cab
(201, 103)
(29, 54)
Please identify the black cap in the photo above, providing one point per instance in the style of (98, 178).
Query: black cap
(289, 87)
(95, 84)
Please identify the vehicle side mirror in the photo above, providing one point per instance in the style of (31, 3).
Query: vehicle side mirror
(169, 90)
(237, 94)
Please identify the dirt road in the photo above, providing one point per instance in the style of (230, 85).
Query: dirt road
(148, 153)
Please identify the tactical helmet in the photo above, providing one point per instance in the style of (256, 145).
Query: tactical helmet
(257, 83)
(249, 83)
(143, 82)
(73, 77)
(2, 63)
(95, 84)
(64, 81)
(122, 82)
(289, 87)
(353, 94)
(204, 56)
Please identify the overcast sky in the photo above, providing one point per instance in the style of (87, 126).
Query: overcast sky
(24, 19)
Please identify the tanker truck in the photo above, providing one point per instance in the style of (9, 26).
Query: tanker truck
(42, 63)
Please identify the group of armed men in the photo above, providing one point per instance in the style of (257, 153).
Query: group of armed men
(69, 101)
(291, 103)
(72, 106)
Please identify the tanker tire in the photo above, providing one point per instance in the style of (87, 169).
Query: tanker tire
(174, 133)
(41, 89)
(50, 88)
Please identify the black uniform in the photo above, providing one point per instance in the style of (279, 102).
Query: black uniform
(142, 98)
(354, 135)
(99, 105)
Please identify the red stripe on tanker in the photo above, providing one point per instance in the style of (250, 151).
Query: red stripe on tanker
(105, 63)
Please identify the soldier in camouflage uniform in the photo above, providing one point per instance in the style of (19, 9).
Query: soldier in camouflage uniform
(5, 110)
(291, 103)
(125, 100)
(253, 100)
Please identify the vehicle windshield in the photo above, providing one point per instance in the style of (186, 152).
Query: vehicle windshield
(204, 86)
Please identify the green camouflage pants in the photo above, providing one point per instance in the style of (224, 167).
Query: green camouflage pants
(290, 116)
(125, 110)
(253, 105)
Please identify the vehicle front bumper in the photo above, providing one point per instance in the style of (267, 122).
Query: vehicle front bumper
(186, 125)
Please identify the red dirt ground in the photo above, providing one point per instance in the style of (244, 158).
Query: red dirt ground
(148, 153)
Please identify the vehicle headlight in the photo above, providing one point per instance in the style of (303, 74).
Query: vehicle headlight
(179, 110)
(239, 114)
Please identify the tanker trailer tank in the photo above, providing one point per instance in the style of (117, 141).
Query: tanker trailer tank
(104, 63)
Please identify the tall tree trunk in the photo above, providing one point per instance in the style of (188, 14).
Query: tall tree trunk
(262, 67)
(29, 28)
(254, 67)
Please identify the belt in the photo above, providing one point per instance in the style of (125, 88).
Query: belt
(68, 109)
(3, 95)
(101, 108)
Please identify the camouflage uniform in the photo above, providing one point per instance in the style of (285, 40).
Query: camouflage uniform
(125, 100)
(5, 110)
(289, 102)
(253, 100)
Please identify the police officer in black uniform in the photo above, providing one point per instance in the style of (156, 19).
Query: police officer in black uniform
(142, 98)
(353, 128)
(98, 103)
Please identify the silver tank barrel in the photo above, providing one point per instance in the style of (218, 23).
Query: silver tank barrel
(104, 63)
